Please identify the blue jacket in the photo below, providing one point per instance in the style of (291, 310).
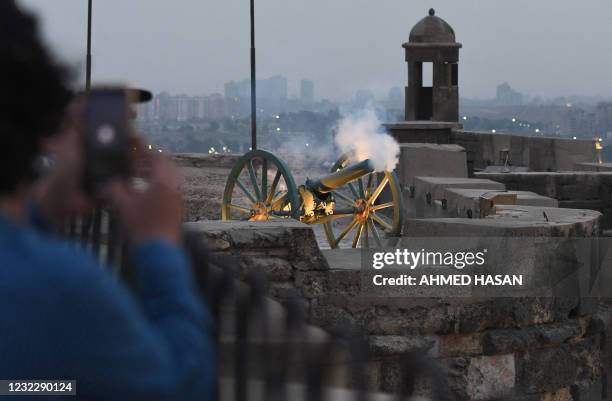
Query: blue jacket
(63, 316)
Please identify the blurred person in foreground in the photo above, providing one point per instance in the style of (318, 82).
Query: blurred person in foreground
(63, 316)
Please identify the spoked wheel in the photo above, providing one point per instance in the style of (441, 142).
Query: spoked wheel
(260, 187)
(377, 205)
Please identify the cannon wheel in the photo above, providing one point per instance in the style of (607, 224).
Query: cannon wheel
(383, 215)
(260, 187)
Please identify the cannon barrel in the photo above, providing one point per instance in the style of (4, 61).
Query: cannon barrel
(340, 177)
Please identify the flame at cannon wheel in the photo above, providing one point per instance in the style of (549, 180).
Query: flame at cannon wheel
(357, 206)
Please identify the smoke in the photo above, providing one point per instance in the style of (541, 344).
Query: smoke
(360, 138)
(308, 154)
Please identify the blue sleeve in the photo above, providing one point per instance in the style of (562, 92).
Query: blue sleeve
(158, 347)
(37, 219)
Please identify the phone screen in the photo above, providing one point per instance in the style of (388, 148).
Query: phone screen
(106, 142)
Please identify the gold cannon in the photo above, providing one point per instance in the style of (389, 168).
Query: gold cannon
(356, 205)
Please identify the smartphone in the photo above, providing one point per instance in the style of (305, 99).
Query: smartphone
(106, 137)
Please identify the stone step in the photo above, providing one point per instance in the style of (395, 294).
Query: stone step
(462, 202)
(429, 189)
(511, 220)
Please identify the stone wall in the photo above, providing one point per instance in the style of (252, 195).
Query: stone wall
(537, 153)
(282, 250)
(539, 349)
(204, 178)
(578, 190)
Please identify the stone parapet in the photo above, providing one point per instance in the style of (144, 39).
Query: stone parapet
(541, 349)
(536, 153)
(577, 190)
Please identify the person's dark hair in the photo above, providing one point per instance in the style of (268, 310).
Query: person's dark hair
(33, 95)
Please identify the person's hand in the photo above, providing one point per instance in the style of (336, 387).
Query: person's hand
(154, 210)
(59, 194)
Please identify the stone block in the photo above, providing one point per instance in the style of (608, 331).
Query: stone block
(424, 316)
(382, 347)
(588, 392)
(537, 153)
(460, 345)
(593, 166)
(606, 219)
(600, 320)
(511, 221)
(593, 204)
(324, 313)
(282, 291)
(286, 239)
(553, 368)
(563, 394)
(518, 340)
(587, 306)
(430, 160)
(581, 189)
(430, 189)
(568, 152)
(427, 159)
(386, 316)
(275, 269)
(421, 131)
(331, 282)
(481, 378)
(408, 320)
(459, 200)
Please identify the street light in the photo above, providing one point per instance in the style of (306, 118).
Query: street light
(253, 81)
(88, 60)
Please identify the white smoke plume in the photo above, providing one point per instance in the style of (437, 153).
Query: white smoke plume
(302, 153)
(360, 138)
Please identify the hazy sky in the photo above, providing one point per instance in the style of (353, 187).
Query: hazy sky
(541, 47)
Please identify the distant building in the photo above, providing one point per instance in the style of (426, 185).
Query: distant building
(506, 96)
(307, 91)
(232, 90)
(273, 88)
(185, 108)
(214, 107)
(168, 106)
(240, 89)
(363, 97)
(604, 118)
(146, 111)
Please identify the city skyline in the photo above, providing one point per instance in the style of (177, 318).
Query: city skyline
(342, 46)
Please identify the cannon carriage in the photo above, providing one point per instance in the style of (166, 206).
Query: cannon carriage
(357, 206)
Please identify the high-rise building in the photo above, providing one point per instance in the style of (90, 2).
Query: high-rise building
(146, 111)
(185, 109)
(604, 118)
(214, 106)
(168, 106)
(307, 91)
(273, 88)
(240, 89)
(506, 96)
